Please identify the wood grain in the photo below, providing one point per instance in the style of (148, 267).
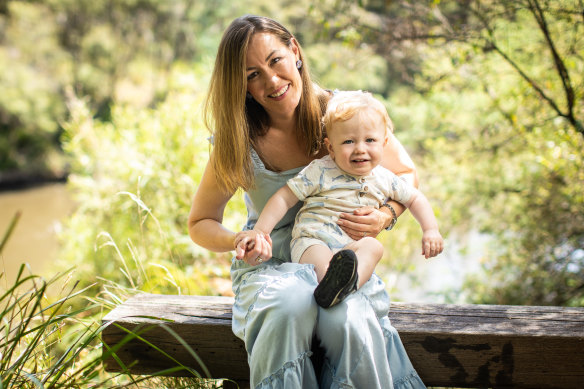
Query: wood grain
(464, 346)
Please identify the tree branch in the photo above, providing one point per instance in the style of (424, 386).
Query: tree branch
(491, 45)
(539, 16)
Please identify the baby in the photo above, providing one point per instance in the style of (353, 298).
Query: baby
(350, 177)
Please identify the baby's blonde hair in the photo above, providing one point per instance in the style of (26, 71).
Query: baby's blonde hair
(344, 105)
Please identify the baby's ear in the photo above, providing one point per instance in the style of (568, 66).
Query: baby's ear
(385, 139)
(329, 147)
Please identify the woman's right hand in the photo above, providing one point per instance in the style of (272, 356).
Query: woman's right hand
(365, 221)
(253, 247)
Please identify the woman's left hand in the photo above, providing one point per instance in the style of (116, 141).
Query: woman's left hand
(366, 221)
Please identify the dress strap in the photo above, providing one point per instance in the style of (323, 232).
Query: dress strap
(256, 160)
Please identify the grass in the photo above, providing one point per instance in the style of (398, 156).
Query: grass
(126, 236)
(44, 343)
(54, 342)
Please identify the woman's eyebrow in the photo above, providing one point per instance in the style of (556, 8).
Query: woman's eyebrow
(267, 59)
(270, 55)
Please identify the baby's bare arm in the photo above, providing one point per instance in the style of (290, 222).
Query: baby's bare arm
(256, 244)
(275, 209)
(432, 242)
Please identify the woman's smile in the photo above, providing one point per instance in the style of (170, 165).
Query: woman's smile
(280, 92)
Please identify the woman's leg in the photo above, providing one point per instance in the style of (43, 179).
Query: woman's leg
(403, 373)
(362, 349)
(275, 314)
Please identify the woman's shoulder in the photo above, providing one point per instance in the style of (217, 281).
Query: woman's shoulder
(323, 93)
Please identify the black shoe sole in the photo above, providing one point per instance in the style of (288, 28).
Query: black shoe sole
(339, 281)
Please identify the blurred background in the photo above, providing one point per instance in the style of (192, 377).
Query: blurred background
(102, 143)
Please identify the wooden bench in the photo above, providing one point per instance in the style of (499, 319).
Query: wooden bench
(466, 346)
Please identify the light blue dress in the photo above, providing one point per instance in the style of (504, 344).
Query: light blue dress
(276, 316)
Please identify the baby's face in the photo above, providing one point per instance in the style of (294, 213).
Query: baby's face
(356, 145)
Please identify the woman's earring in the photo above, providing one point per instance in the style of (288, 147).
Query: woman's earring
(248, 96)
(299, 64)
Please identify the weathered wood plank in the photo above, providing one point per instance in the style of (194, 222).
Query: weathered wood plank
(495, 346)
(203, 322)
(450, 345)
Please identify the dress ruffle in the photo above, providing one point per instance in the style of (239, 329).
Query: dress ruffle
(290, 375)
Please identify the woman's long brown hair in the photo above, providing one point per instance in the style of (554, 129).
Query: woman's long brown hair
(236, 122)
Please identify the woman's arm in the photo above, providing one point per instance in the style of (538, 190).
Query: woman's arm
(206, 215)
(397, 159)
(206, 218)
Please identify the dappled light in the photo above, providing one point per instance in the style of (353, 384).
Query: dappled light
(107, 98)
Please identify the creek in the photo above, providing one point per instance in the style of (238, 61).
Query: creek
(34, 239)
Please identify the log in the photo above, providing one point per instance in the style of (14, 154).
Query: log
(465, 346)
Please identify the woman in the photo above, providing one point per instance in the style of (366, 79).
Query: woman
(265, 116)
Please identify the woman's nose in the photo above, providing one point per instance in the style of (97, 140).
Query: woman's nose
(272, 78)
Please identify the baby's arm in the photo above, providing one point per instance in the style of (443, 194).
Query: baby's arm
(274, 210)
(419, 206)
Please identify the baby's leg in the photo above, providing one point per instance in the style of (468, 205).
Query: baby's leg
(369, 251)
(319, 255)
(339, 281)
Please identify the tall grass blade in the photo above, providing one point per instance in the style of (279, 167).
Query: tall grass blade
(192, 371)
(31, 333)
(10, 230)
(110, 242)
(188, 348)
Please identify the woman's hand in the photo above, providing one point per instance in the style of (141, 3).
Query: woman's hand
(366, 221)
(253, 247)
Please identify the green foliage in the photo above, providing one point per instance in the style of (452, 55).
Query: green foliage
(50, 336)
(29, 64)
(35, 350)
(511, 162)
(488, 96)
(118, 51)
(548, 206)
(47, 343)
(134, 178)
(339, 66)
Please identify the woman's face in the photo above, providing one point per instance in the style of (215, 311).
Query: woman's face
(272, 77)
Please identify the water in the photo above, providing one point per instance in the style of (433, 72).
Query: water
(33, 241)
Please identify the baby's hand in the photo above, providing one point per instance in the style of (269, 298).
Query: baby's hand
(253, 247)
(432, 243)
